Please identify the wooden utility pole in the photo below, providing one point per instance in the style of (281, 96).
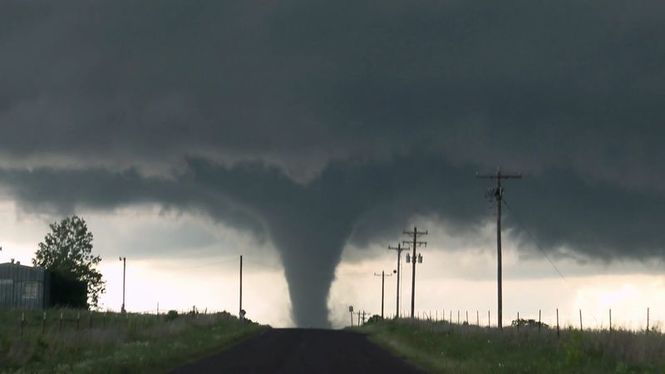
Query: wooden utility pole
(498, 196)
(240, 311)
(647, 320)
(124, 268)
(383, 282)
(399, 250)
(539, 320)
(414, 244)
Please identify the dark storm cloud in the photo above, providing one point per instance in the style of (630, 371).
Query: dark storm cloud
(569, 83)
(379, 111)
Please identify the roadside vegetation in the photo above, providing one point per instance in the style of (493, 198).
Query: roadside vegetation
(99, 342)
(441, 347)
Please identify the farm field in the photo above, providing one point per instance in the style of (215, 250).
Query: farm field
(440, 347)
(100, 342)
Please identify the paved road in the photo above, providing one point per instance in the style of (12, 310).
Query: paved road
(302, 351)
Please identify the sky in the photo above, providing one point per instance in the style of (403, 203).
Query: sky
(307, 135)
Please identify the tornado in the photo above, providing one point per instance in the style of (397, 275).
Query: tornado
(310, 240)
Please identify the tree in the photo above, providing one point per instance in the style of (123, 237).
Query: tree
(66, 253)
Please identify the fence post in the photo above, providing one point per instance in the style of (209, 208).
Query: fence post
(477, 318)
(518, 321)
(581, 326)
(467, 318)
(489, 320)
(647, 320)
(610, 319)
(539, 319)
(557, 322)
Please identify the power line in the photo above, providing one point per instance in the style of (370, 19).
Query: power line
(535, 242)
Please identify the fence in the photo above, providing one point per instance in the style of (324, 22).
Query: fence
(26, 323)
(461, 317)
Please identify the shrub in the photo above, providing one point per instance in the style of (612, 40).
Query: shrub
(373, 319)
(171, 315)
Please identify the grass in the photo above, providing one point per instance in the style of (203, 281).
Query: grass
(91, 342)
(440, 347)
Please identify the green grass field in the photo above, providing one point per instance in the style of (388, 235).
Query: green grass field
(91, 342)
(439, 347)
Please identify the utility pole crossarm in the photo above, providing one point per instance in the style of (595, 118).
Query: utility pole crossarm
(418, 243)
(499, 176)
(415, 232)
(384, 275)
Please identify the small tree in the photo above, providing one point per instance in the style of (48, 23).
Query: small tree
(67, 253)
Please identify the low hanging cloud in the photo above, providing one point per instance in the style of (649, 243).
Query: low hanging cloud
(313, 124)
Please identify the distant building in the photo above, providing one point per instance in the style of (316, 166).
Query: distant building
(24, 287)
